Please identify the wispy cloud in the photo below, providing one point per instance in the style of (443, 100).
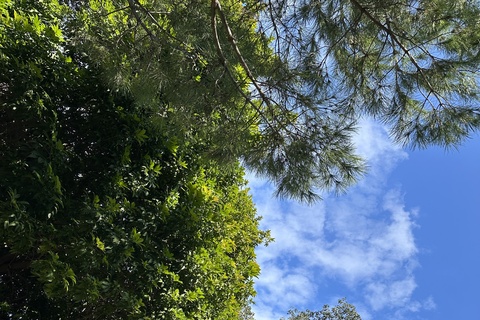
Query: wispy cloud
(362, 241)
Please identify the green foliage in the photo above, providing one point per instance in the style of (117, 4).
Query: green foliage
(282, 85)
(342, 311)
(412, 65)
(122, 124)
(108, 210)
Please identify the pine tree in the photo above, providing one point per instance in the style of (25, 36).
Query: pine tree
(412, 65)
(287, 81)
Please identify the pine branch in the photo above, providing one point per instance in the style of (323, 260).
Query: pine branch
(407, 52)
(215, 6)
(134, 5)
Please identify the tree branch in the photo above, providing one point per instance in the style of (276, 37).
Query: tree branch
(394, 38)
(134, 4)
(216, 7)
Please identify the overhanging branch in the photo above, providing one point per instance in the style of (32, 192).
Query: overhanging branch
(395, 39)
(216, 7)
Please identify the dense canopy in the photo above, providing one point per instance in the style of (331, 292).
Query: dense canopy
(125, 126)
(108, 210)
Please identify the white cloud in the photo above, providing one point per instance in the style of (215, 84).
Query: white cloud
(390, 294)
(363, 240)
(429, 304)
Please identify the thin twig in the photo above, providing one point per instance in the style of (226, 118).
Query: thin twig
(114, 11)
(133, 8)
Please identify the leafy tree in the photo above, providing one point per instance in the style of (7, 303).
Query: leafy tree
(342, 311)
(107, 211)
(246, 312)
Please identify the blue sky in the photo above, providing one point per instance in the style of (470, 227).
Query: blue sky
(401, 244)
